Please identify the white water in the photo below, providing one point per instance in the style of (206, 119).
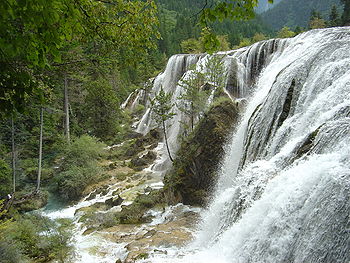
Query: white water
(242, 68)
(283, 194)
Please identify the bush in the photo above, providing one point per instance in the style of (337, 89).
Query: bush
(35, 237)
(82, 151)
(72, 183)
(79, 167)
(5, 179)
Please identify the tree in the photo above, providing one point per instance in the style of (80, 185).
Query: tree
(317, 23)
(232, 9)
(285, 32)
(191, 46)
(34, 34)
(193, 99)
(162, 108)
(345, 18)
(101, 110)
(334, 19)
(40, 150)
(13, 147)
(66, 110)
(216, 73)
(259, 37)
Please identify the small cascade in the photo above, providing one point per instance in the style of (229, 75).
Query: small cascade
(284, 189)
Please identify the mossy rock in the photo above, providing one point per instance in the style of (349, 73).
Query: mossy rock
(194, 171)
(139, 163)
(133, 214)
(35, 202)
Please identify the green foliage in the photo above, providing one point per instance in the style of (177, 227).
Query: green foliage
(79, 167)
(259, 37)
(334, 17)
(5, 179)
(35, 237)
(215, 72)
(133, 214)
(101, 109)
(72, 183)
(193, 99)
(317, 23)
(234, 10)
(285, 32)
(345, 18)
(292, 13)
(35, 34)
(191, 46)
(179, 22)
(162, 106)
(244, 43)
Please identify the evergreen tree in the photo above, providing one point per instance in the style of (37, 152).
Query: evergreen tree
(334, 17)
(162, 108)
(346, 13)
(193, 99)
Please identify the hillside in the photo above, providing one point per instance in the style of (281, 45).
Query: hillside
(178, 21)
(294, 13)
(264, 5)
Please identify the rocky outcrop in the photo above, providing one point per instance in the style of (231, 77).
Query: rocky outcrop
(195, 169)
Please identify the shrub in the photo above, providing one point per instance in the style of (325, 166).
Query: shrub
(35, 237)
(72, 182)
(79, 167)
(82, 151)
(5, 179)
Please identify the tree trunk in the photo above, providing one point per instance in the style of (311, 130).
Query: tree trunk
(13, 155)
(166, 142)
(66, 110)
(40, 150)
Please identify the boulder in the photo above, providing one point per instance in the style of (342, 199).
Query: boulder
(114, 201)
(141, 162)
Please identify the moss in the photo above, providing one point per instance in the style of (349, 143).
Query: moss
(35, 202)
(133, 214)
(142, 256)
(194, 171)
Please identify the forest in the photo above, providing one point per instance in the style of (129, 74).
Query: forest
(67, 67)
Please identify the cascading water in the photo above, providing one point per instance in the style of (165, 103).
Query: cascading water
(283, 194)
(242, 67)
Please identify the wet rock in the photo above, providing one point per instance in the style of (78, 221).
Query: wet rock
(114, 201)
(155, 133)
(133, 214)
(33, 202)
(91, 196)
(150, 233)
(148, 189)
(140, 163)
(116, 192)
(112, 166)
(133, 135)
(88, 231)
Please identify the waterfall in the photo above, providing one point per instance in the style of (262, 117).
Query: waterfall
(242, 67)
(284, 186)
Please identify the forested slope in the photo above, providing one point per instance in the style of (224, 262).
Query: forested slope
(294, 13)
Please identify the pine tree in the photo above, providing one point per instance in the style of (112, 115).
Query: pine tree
(345, 19)
(162, 108)
(334, 17)
(193, 99)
